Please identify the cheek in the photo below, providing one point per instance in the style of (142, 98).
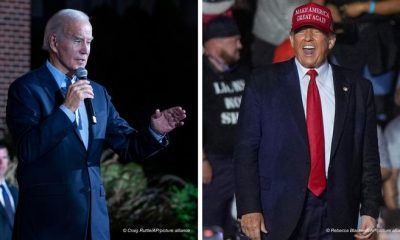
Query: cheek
(297, 47)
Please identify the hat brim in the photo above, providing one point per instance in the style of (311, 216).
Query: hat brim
(314, 25)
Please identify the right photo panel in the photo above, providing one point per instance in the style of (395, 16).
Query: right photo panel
(301, 126)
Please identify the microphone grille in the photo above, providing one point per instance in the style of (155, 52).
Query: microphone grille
(81, 72)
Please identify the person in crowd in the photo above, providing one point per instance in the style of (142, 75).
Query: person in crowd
(389, 173)
(8, 196)
(271, 27)
(214, 8)
(58, 143)
(306, 158)
(392, 136)
(368, 42)
(223, 85)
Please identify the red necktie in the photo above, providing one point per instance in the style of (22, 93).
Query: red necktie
(315, 130)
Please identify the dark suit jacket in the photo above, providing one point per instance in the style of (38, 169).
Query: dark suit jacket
(272, 160)
(59, 180)
(5, 226)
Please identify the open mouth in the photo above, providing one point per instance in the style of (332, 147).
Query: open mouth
(308, 50)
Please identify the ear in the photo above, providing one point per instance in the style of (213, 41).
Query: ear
(53, 43)
(331, 41)
(291, 40)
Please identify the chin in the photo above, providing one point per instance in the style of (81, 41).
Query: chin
(309, 64)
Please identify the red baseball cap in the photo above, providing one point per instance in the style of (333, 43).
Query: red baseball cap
(312, 14)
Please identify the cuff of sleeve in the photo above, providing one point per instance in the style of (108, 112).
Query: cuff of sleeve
(157, 136)
(69, 113)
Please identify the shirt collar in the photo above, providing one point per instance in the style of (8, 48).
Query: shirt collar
(2, 182)
(57, 74)
(321, 70)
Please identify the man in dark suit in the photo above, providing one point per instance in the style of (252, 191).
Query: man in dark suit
(61, 193)
(8, 197)
(306, 159)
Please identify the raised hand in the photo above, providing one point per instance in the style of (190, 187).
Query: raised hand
(167, 120)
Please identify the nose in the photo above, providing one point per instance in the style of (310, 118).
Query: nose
(239, 44)
(85, 48)
(308, 35)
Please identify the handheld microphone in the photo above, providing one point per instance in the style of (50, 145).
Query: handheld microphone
(81, 73)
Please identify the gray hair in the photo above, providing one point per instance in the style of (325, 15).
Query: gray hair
(58, 21)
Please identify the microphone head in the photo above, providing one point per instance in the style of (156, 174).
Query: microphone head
(81, 73)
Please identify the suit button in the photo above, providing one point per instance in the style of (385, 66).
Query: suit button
(88, 189)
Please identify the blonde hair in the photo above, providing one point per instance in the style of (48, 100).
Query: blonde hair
(58, 21)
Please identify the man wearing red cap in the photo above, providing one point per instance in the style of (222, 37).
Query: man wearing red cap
(306, 157)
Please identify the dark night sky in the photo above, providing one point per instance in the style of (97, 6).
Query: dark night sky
(146, 57)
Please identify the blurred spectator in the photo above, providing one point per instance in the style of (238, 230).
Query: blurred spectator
(283, 52)
(8, 197)
(389, 173)
(366, 42)
(214, 8)
(389, 226)
(223, 84)
(272, 22)
(242, 11)
(392, 135)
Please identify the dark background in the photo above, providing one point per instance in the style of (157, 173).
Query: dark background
(145, 54)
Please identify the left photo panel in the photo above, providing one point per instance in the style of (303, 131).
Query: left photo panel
(98, 119)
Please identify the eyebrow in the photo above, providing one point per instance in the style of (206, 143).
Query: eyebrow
(82, 38)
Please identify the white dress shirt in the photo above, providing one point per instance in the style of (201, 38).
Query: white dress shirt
(326, 90)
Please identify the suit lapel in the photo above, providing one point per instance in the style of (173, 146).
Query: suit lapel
(55, 97)
(342, 92)
(14, 195)
(290, 78)
(3, 212)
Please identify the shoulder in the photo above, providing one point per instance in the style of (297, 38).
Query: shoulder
(352, 77)
(274, 68)
(31, 78)
(11, 187)
(97, 87)
(271, 73)
(29, 83)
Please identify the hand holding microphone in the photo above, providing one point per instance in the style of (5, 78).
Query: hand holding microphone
(81, 73)
(81, 90)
